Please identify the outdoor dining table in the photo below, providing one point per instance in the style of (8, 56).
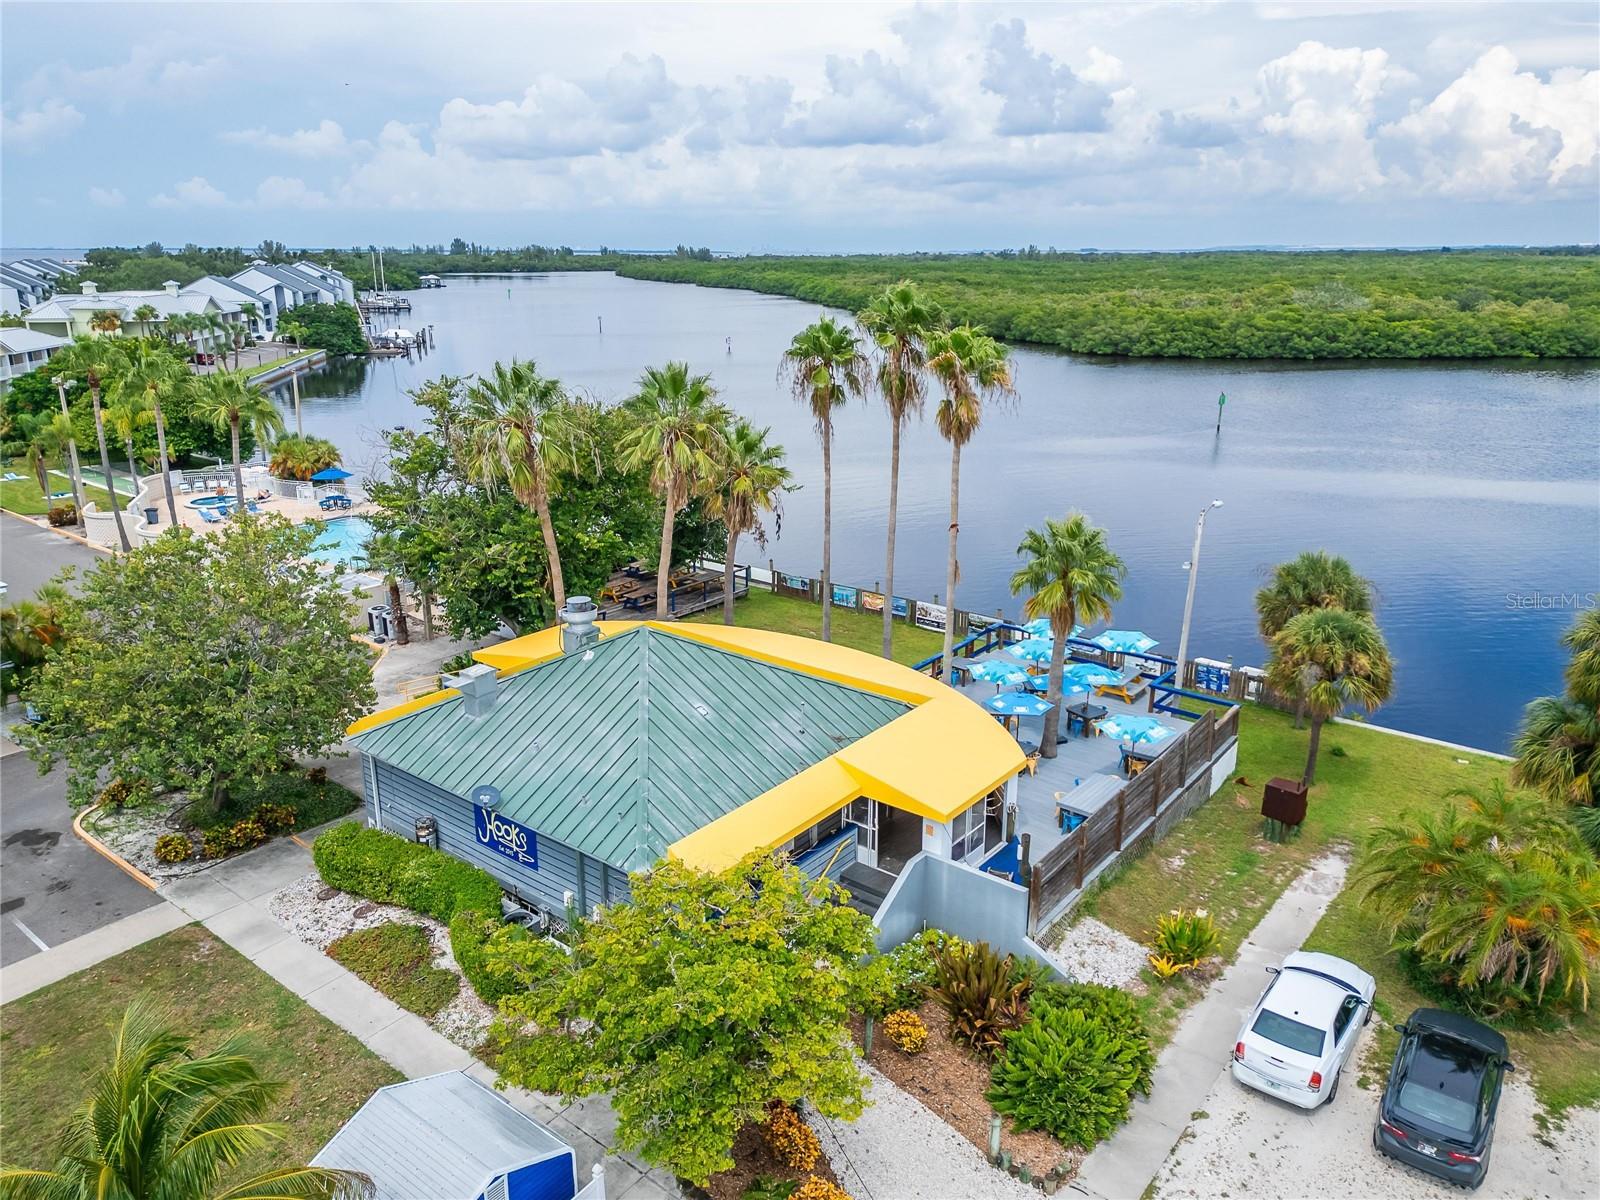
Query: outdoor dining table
(1084, 715)
(1137, 758)
(961, 669)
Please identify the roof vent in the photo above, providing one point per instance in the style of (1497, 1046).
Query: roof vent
(577, 625)
(171, 286)
(91, 288)
(479, 686)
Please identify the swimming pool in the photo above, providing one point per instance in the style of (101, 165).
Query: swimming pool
(342, 540)
(211, 501)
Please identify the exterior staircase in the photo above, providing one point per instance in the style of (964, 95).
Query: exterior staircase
(867, 887)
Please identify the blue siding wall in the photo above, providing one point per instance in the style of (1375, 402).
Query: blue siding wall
(402, 798)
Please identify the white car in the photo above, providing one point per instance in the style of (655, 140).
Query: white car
(1301, 1032)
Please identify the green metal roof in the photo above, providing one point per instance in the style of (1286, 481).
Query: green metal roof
(622, 752)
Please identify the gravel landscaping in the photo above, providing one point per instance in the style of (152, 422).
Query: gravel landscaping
(1092, 952)
(898, 1150)
(320, 915)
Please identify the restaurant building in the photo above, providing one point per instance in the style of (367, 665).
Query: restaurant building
(568, 758)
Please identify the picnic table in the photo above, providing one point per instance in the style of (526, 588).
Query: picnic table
(1085, 715)
(961, 669)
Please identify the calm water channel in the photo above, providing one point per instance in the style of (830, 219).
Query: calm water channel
(1470, 494)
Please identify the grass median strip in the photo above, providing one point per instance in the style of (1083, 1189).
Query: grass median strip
(397, 960)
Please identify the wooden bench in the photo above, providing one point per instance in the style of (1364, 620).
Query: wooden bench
(1127, 690)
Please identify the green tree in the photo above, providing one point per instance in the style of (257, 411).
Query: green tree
(147, 315)
(61, 383)
(1335, 659)
(1558, 746)
(290, 330)
(972, 369)
(158, 375)
(677, 436)
(523, 431)
(199, 662)
(105, 320)
(695, 1005)
(98, 359)
(899, 322)
(1314, 579)
(751, 480)
(298, 456)
(335, 328)
(230, 401)
(162, 1122)
(825, 367)
(1494, 897)
(1072, 576)
(1583, 671)
(127, 412)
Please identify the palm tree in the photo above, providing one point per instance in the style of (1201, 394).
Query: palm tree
(899, 322)
(1583, 672)
(98, 358)
(1494, 895)
(162, 1123)
(677, 436)
(105, 320)
(130, 409)
(251, 314)
(154, 371)
(971, 367)
(62, 383)
(1558, 749)
(1073, 577)
(825, 366)
(296, 456)
(147, 315)
(216, 331)
(523, 430)
(292, 330)
(1314, 579)
(230, 401)
(1335, 659)
(751, 480)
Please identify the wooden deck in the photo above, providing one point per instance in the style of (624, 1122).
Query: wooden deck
(630, 594)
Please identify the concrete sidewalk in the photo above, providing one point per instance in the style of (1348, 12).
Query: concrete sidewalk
(231, 900)
(42, 969)
(1122, 1167)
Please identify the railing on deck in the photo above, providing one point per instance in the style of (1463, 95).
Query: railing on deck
(1059, 874)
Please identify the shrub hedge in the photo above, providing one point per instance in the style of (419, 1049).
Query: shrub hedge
(471, 934)
(391, 870)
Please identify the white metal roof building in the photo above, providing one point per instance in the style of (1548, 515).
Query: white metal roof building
(448, 1135)
(24, 350)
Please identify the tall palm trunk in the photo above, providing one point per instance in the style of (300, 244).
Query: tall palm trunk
(888, 566)
(397, 607)
(238, 470)
(727, 574)
(72, 456)
(161, 450)
(1310, 776)
(127, 446)
(105, 465)
(558, 581)
(664, 564)
(827, 530)
(951, 571)
(1052, 719)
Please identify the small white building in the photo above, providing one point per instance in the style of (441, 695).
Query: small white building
(223, 290)
(69, 316)
(344, 289)
(25, 283)
(25, 350)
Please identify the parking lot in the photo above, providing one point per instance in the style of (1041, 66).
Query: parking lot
(1242, 1144)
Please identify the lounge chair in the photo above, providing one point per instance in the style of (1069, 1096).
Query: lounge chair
(1129, 688)
(13, 477)
(209, 517)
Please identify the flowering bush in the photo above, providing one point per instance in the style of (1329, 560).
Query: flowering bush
(906, 1030)
(173, 848)
(791, 1140)
(817, 1188)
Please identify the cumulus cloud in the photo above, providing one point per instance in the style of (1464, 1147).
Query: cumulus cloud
(1039, 94)
(277, 191)
(149, 75)
(1497, 130)
(38, 126)
(107, 197)
(1318, 104)
(1197, 130)
(867, 101)
(191, 193)
(325, 141)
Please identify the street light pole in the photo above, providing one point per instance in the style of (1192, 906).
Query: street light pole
(1193, 567)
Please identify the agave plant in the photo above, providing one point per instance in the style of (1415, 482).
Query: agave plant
(983, 992)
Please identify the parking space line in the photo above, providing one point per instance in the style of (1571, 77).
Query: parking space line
(30, 934)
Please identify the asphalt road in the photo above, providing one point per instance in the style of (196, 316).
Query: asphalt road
(30, 556)
(53, 887)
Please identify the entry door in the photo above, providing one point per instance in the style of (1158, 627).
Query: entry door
(863, 814)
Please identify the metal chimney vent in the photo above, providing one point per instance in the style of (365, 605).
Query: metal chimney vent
(577, 625)
(479, 686)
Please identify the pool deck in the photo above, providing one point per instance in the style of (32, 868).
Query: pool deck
(1087, 767)
(296, 511)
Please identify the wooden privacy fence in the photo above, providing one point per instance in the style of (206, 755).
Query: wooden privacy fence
(1181, 771)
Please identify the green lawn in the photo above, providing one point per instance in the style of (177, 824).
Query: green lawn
(274, 363)
(1217, 860)
(23, 495)
(51, 1040)
(858, 630)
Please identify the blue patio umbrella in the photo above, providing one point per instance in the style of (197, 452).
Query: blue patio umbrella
(331, 475)
(1069, 686)
(1034, 650)
(1017, 704)
(1124, 641)
(1090, 674)
(1040, 627)
(1138, 730)
(998, 671)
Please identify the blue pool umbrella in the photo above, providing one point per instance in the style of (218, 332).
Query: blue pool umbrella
(1069, 686)
(1091, 674)
(331, 475)
(1040, 627)
(1034, 650)
(1138, 730)
(1017, 704)
(1124, 641)
(997, 671)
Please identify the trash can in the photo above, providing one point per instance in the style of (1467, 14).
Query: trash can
(152, 516)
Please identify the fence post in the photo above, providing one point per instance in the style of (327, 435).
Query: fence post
(1120, 796)
(1081, 840)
